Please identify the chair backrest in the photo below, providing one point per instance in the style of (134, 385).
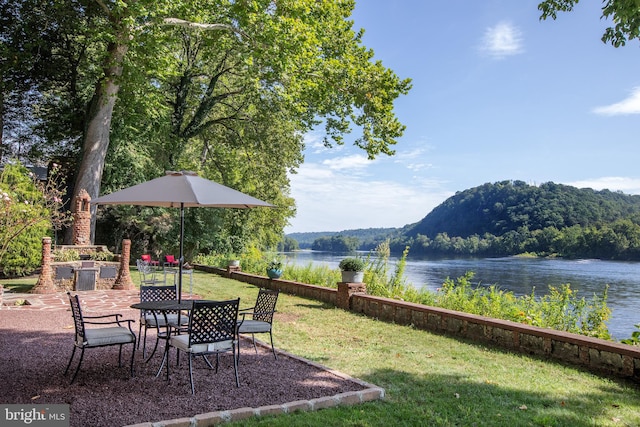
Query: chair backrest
(265, 305)
(78, 321)
(213, 321)
(170, 258)
(145, 257)
(147, 273)
(158, 293)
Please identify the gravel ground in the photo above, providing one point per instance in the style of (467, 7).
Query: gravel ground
(36, 347)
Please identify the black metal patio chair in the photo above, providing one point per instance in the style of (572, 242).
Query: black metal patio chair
(156, 320)
(101, 332)
(213, 329)
(261, 321)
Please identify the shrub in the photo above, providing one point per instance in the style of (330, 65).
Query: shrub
(352, 264)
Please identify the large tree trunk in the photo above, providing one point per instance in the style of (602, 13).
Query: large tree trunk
(96, 138)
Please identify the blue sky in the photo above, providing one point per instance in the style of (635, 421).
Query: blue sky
(497, 95)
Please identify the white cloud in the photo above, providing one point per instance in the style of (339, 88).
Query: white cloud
(502, 40)
(630, 105)
(356, 161)
(612, 183)
(337, 199)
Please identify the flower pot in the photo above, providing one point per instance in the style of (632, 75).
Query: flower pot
(234, 263)
(274, 273)
(352, 276)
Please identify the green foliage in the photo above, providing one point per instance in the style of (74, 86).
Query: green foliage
(65, 255)
(352, 264)
(635, 337)
(560, 309)
(367, 238)
(230, 98)
(28, 211)
(623, 13)
(274, 264)
(288, 244)
(511, 218)
(102, 256)
(337, 243)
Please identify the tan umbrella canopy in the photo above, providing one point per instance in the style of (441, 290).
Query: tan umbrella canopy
(181, 190)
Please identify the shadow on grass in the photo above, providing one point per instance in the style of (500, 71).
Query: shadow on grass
(446, 400)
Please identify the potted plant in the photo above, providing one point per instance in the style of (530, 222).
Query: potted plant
(274, 269)
(352, 270)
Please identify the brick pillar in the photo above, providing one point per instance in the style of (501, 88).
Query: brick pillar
(345, 290)
(233, 269)
(82, 220)
(124, 282)
(45, 285)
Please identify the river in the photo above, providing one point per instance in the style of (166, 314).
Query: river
(521, 275)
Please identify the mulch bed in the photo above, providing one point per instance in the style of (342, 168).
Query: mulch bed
(36, 347)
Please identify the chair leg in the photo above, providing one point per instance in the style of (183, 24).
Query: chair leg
(235, 368)
(206, 359)
(144, 344)
(253, 338)
(73, 353)
(78, 368)
(273, 349)
(120, 356)
(193, 391)
(133, 356)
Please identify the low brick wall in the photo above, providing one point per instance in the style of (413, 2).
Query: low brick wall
(595, 354)
(319, 293)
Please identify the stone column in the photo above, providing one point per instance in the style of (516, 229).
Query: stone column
(82, 219)
(45, 285)
(124, 282)
(345, 290)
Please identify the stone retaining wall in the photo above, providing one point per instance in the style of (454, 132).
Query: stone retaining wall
(595, 354)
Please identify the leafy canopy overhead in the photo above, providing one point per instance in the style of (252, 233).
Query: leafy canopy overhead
(224, 88)
(625, 15)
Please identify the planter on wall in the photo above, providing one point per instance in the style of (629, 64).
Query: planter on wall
(274, 273)
(352, 276)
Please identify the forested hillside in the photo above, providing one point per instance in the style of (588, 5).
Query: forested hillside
(512, 217)
(365, 238)
(509, 205)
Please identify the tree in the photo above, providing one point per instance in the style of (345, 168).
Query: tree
(298, 59)
(29, 210)
(624, 13)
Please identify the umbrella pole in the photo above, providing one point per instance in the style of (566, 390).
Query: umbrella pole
(180, 260)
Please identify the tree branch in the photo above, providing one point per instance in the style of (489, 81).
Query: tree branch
(197, 25)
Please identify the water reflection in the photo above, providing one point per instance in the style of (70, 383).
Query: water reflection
(521, 275)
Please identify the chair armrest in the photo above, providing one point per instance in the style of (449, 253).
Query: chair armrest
(116, 315)
(246, 309)
(118, 321)
(264, 312)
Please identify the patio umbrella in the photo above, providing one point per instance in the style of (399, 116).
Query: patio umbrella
(181, 190)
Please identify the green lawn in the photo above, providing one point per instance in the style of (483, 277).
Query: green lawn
(430, 379)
